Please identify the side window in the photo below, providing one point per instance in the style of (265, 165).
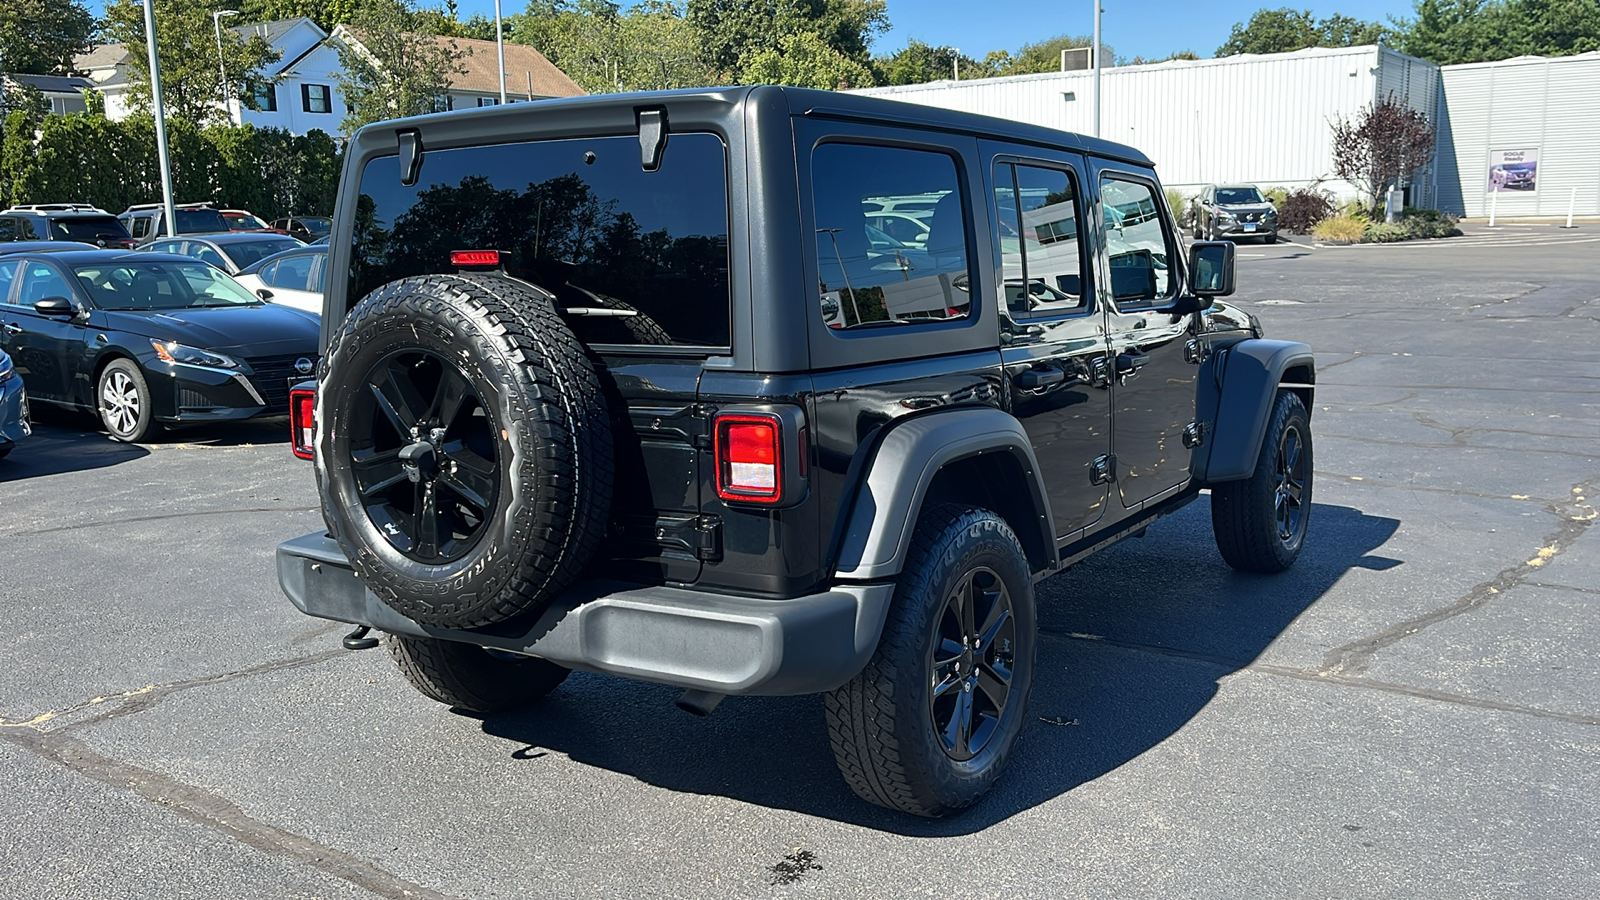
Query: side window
(868, 276)
(319, 263)
(8, 229)
(41, 282)
(165, 247)
(141, 226)
(269, 275)
(25, 230)
(293, 273)
(1041, 243)
(1137, 243)
(8, 274)
(206, 254)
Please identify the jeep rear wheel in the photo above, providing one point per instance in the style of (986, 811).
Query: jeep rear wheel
(463, 449)
(929, 724)
(1260, 523)
(479, 679)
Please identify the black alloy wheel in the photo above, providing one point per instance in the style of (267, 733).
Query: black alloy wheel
(424, 456)
(972, 657)
(1289, 493)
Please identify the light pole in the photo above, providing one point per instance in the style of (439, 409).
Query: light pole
(1095, 56)
(216, 23)
(955, 63)
(161, 118)
(500, 50)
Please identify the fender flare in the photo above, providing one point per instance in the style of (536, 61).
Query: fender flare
(883, 516)
(1234, 398)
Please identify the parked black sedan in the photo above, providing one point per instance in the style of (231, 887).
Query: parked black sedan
(13, 406)
(148, 339)
(231, 252)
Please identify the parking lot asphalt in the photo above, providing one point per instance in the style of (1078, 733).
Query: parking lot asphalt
(1412, 711)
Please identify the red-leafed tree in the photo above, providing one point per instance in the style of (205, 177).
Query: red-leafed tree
(1383, 145)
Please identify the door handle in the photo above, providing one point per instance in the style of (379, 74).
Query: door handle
(1129, 361)
(1033, 379)
(13, 328)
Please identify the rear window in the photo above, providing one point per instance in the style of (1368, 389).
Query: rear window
(88, 229)
(316, 226)
(579, 217)
(200, 221)
(247, 253)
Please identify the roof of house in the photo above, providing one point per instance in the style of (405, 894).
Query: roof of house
(269, 31)
(53, 84)
(100, 56)
(523, 64)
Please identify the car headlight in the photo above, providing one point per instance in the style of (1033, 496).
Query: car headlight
(1224, 215)
(174, 352)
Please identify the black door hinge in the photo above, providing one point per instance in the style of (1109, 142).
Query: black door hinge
(1103, 470)
(1194, 434)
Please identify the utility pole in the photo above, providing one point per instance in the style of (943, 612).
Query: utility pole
(161, 118)
(222, 63)
(500, 50)
(1095, 55)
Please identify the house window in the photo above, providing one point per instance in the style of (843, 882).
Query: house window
(317, 98)
(488, 101)
(266, 98)
(443, 103)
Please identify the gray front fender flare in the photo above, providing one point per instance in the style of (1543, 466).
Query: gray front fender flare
(884, 514)
(1235, 396)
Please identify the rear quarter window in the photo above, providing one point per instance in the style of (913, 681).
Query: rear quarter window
(579, 217)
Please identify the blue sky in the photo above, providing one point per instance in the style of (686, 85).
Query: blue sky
(1151, 28)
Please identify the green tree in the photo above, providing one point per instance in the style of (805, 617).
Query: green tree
(650, 47)
(920, 63)
(326, 13)
(803, 59)
(396, 69)
(1448, 32)
(191, 81)
(40, 37)
(1283, 30)
(733, 32)
(663, 50)
(1045, 55)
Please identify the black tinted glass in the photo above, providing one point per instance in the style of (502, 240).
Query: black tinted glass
(579, 217)
(316, 226)
(1230, 196)
(200, 221)
(88, 229)
(870, 277)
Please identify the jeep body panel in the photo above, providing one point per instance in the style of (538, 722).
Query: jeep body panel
(1236, 389)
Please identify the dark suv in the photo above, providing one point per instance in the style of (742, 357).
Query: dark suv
(1234, 211)
(627, 384)
(77, 222)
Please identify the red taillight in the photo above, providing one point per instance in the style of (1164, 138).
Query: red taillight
(303, 421)
(749, 458)
(472, 259)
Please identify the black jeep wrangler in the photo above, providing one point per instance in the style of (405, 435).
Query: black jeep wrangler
(631, 384)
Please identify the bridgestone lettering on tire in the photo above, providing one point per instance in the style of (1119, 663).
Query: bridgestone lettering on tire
(1260, 522)
(463, 449)
(896, 728)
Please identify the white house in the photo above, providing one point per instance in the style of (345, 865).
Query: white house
(303, 93)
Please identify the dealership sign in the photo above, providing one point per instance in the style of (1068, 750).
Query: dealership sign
(1513, 170)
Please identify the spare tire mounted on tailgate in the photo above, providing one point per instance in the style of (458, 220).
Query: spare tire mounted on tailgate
(475, 449)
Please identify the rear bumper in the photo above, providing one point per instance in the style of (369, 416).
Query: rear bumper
(687, 638)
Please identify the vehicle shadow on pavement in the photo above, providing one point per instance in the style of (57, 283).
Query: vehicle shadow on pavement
(60, 444)
(1134, 642)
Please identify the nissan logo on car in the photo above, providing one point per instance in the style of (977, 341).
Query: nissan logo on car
(303, 366)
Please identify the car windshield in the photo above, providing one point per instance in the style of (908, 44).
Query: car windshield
(316, 226)
(88, 229)
(1231, 196)
(244, 222)
(248, 253)
(161, 285)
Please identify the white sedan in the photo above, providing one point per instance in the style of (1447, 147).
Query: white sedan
(293, 278)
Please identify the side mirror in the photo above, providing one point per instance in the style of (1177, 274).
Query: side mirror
(55, 306)
(1211, 268)
(263, 293)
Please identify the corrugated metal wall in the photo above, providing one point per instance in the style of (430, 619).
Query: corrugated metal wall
(1258, 119)
(1528, 103)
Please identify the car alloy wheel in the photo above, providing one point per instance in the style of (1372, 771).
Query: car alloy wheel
(972, 659)
(120, 404)
(1290, 489)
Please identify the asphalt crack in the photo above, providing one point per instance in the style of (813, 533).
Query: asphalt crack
(214, 812)
(1575, 517)
(163, 518)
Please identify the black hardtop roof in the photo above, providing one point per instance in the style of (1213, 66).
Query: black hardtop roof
(801, 102)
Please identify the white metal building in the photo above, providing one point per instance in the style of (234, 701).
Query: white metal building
(1261, 119)
(1525, 132)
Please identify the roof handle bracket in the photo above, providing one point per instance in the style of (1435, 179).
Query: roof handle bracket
(410, 155)
(652, 137)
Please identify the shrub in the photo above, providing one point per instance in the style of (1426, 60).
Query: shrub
(1178, 202)
(1302, 210)
(1346, 228)
(1276, 195)
(1428, 223)
(1383, 233)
